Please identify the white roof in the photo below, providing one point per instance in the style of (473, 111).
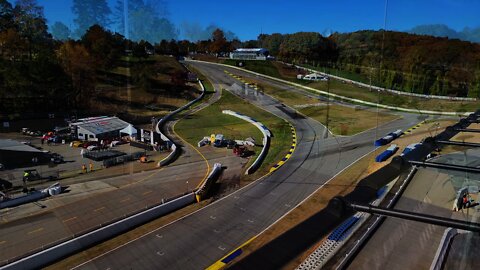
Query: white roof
(250, 50)
(100, 125)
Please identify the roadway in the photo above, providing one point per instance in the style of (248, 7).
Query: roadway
(199, 239)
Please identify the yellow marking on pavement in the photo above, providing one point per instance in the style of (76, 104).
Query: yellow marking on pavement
(98, 209)
(143, 179)
(70, 219)
(194, 148)
(147, 192)
(35, 231)
(125, 200)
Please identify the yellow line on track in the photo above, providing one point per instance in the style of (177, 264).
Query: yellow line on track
(70, 219)
(35, 231)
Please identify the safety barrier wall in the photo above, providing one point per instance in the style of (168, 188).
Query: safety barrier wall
(442, 250)
(387, 90)
(266, 139)
(175, 149)
(339, 97)
(209, 181)
(76, 244)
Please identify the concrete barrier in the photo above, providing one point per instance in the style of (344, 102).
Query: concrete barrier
(266, 139)
(209, 181)
(79, 243)
(175, 149)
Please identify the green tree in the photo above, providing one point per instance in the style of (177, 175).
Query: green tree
(6, 15)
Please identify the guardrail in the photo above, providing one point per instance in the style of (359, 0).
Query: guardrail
(339, 97)
(266, 139)
(403, 93)
(76, 244)
(175, 149)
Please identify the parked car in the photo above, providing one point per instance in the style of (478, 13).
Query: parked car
(56, 158)
(77, 144)
(93, 147)
(87, 144)
(230, 144)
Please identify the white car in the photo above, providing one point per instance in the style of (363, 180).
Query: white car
(93, 147)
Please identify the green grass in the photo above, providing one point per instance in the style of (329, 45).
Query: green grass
(346, 120)
(211, 120)
(278, 70)
(264, 67)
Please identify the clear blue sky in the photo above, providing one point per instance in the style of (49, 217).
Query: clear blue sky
(247, 18)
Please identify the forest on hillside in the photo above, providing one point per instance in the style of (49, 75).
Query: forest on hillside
(396, 60)
(41, 73)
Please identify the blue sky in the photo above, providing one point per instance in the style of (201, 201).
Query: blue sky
(247, 18)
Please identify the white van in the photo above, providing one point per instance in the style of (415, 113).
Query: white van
(218, 140)
(315, 77)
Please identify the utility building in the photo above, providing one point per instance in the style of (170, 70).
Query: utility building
(99, 128)
(15, 154)
(249, 54)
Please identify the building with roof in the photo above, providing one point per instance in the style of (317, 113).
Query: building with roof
(15, 154)
(99, 128)
(249, 54)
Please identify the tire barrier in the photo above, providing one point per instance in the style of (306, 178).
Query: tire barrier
(290, 151)
(339, 97)
(266, 139)
(203, 190)
(390, 137)
(76, 244)
(175, 149)
(387, 153)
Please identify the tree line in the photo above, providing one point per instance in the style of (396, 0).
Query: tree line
(396, 60)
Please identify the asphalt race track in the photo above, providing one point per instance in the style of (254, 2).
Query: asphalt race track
(200, 239)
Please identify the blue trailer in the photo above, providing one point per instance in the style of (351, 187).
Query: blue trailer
(389, 137)
(387, 153)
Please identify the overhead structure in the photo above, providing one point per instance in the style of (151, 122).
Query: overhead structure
(249, 54)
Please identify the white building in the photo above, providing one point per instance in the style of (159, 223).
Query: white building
(99, 128)
(249, 54)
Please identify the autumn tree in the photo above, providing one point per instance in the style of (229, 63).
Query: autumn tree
(219, 42)
(80, 67)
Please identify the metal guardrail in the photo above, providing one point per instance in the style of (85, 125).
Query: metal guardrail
(393, 91)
